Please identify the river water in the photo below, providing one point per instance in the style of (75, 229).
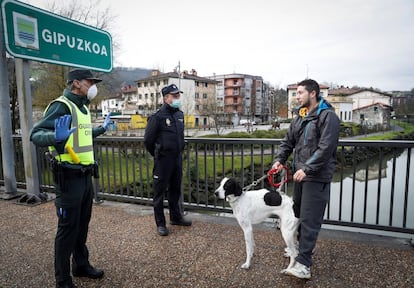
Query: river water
(391, 203)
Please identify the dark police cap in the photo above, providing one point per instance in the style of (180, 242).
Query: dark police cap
(170, 89)
(80, 74)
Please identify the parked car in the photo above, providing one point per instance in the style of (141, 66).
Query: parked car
(247, 122)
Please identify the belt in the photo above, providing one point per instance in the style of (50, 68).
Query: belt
(81, 171)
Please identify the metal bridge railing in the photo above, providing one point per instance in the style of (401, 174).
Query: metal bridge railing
(373, 186)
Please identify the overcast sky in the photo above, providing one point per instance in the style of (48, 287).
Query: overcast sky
(367, 43)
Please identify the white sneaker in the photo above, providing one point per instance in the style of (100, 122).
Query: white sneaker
(299, 270)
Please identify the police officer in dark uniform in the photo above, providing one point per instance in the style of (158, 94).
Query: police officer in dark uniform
(67, 129)
(164, 140)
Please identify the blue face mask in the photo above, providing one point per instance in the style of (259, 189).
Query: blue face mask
(176, 103)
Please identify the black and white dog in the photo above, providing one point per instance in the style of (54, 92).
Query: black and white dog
(252, 207)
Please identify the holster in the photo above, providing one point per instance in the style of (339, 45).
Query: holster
(57, 171)
(95, 171)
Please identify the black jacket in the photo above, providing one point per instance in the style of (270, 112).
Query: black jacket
(164, 134)
(314, 140)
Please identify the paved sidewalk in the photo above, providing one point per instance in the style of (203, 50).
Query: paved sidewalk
(123, 241)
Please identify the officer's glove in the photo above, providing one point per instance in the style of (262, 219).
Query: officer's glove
(107, 121)
(62, 131)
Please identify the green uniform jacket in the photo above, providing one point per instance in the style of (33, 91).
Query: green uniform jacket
(43, 132)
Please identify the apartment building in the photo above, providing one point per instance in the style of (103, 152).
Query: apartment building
(368, 106)
(197, 97)
(225, 98)
(351, 104)
(241, 96)
(362, 96)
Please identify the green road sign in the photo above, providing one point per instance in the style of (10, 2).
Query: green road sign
(35, 34)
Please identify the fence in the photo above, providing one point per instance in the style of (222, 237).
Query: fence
(373, 186)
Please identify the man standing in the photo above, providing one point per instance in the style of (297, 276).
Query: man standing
(164, 140)
(313, 138)
(66, 129)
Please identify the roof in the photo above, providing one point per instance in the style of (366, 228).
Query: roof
(295, 86)
(236, 76)
(345, 91)
(373, 104)
(175, 75)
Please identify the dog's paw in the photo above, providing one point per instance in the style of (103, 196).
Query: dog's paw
(245, 266)
(283, 271)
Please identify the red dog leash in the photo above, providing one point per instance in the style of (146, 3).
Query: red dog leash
(273, 172)
(269, 176)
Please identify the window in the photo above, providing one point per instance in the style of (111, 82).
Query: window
(204, 95)
(196, 96)
(145, 84)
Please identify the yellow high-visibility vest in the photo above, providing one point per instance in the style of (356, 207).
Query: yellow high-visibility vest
(80, 140)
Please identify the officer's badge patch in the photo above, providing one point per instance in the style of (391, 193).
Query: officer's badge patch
(168, 122)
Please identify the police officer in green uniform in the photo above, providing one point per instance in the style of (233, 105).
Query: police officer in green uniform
(164, 139)
(66, 129)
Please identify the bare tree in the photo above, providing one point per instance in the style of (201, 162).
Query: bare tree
(218, 118)
(278, 102)
(50, 81)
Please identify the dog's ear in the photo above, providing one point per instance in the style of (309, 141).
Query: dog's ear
(232, 187)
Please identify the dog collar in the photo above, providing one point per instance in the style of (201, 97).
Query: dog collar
(234, 199)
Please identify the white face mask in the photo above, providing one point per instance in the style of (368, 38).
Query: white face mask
(176, 103)
(92, 92)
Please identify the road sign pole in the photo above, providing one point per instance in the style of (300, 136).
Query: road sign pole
(10, 184)
(26, 123)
